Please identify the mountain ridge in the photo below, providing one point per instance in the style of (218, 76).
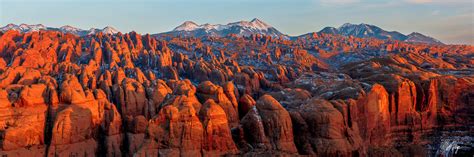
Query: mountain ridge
(240, 28)
(65, 29)
(245, 28)
(363, 30)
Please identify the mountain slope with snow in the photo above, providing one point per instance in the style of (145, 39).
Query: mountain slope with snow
(23, 27)
(370, 31)
(65, 29)
(240, 28)
(243, 28)
(416, 37)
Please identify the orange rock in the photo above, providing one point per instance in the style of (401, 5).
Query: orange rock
(331, 95)
(232, 93)
(174, 132)
(32, 95)
(374, 116)
(207, 90)
(254, 130)
(71, 91)
(246, 103)
(324, 125)
(158, 92)
(21, 127)
(131, 98)
(277, 123)
(217, 138)
(405, 106)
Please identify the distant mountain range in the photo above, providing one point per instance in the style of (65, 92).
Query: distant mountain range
(65, 29)
(245, 28)
(370, 31)
(242, 28)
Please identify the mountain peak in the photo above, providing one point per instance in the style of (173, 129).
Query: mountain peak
(242, 28)
(109, 27)
(256, 20)
(255, 23)
(186, 26)
(414, 33)
(364, 30)
(416, 37)
(109, 30)
(329, 30)
(68, 27)
(260, 24)
(349, 25)
(71, 29)
(346, 25)
(65, 29)
(24, 27)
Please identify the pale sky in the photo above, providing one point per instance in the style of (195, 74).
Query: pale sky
(451, 21)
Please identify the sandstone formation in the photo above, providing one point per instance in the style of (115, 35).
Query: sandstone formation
(143, 95)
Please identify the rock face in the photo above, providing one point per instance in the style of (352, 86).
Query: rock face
(217, 136)
(175, 131)
(77, 125)
(246, 103)
(318, 95)
(208, 91)
(323, 124)
(72, 133)
(268, 127)
(374, 116)
(277, 123)
(23, 124)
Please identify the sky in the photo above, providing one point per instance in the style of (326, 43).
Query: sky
(451, 21)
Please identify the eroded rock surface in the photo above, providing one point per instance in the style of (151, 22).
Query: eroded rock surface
(144, 95)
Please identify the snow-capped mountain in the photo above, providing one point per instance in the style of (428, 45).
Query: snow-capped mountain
(106, 30)
(68, 28)
(363, 31)
(241, 28)
(187, 26)
(416, 37)
(370, 31)
(73, 30)
(23, 27)
(65, 29)
(109, 30)
(329, 30)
